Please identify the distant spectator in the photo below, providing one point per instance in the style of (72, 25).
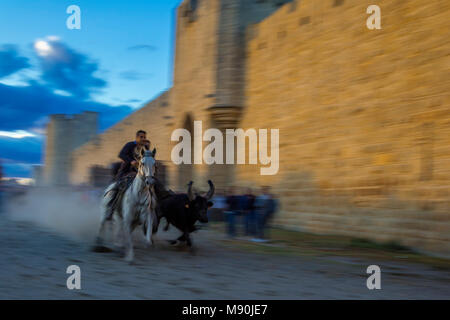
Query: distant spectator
(216, 212)
(232, 210)
(266, 205)
(248, 210)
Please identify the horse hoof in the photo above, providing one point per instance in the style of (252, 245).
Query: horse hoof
(100, 248)
(173, 242)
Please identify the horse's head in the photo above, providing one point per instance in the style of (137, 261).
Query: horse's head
(147, 167)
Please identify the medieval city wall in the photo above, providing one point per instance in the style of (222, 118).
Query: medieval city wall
(364, 118)
(194, 78)
(208, 74)
(363, 114)
(65, 133)
(103, 150)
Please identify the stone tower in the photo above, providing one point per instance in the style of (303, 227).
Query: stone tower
(209, 71)
(65, 133)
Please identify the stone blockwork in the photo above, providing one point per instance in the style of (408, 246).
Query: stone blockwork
(364, 117)
(209, 73)
(104, 148)
(65, 133)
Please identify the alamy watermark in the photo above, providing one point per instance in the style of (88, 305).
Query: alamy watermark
(74, 280)
(374, 280)
(374, 21)
(74, 20)
(214, 151)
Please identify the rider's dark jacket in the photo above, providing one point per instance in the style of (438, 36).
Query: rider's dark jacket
(127, 155)
(127, 152)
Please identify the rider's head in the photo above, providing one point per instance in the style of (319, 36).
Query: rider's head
(141, 136)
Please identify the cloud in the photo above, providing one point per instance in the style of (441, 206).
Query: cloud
(10, 61)
(17, 134)
(65, 85)
(142, 47)
(23, 114)
(134, 75)
(133, 101)
(26, 108)
(65, 69)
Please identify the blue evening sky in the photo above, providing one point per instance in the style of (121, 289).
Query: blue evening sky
(120, 59)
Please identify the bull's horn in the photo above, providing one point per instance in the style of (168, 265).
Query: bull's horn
(211, 190)
(190, 192)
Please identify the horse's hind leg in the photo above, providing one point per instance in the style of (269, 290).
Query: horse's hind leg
(106, 213)
(129, 254)
(127, 230)
(118, 231)
(101, 230)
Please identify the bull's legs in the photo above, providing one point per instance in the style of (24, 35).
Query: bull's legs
(185, 237)
(156, 222)
(188, 240)
(166, 228)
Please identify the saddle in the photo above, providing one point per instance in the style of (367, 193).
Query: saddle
(122, 185)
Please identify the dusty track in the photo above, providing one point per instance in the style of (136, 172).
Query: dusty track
(33, 264)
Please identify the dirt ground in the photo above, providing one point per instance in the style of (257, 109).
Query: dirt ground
(33, 263)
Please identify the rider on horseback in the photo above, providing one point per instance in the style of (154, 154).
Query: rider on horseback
(130, 152)
(123, 172)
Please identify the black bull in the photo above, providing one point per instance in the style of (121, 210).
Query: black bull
(182, 210)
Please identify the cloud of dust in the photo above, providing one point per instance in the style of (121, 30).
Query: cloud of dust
(72, 213)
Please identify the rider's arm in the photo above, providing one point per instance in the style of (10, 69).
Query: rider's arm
(126, 154)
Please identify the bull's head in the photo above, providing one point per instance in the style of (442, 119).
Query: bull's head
(147, 167)
(199, 204)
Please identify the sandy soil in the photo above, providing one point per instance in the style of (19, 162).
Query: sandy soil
(33, 262)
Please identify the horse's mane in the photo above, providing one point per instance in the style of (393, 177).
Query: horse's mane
(138, 153)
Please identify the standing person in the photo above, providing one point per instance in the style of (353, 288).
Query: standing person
(216, 212)
(249, 213)
(232, 210)
(266, 205)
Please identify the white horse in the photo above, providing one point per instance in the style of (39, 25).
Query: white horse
(137, 206)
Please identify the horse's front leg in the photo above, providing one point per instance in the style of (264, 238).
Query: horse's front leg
(149, 224)
(127, 230)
